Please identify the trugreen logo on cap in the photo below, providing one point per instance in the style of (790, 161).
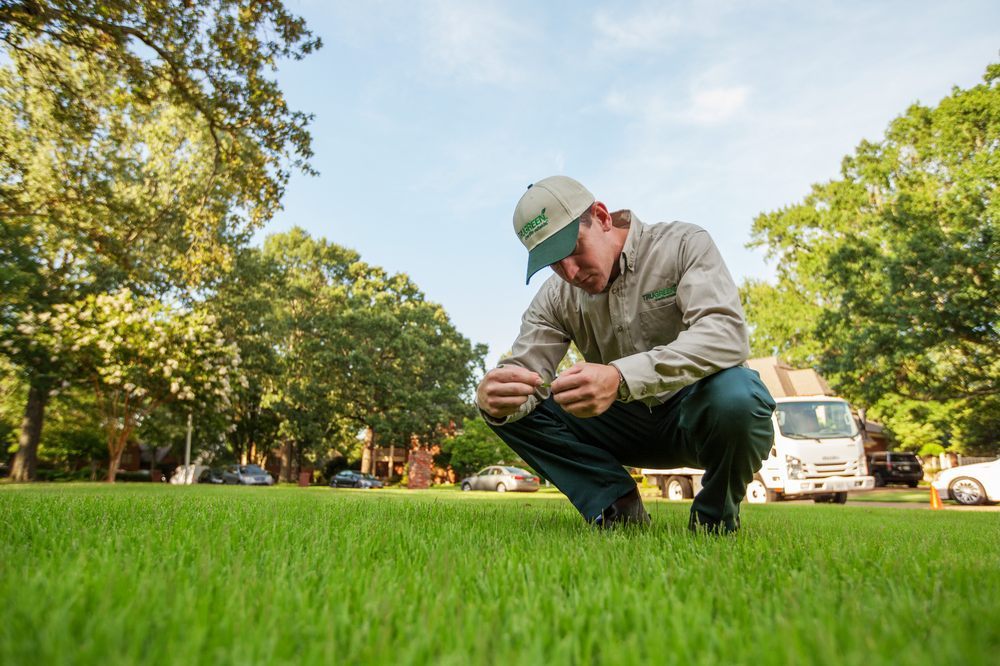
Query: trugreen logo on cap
(538, 222)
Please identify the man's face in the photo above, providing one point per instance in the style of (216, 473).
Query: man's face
(594, 262)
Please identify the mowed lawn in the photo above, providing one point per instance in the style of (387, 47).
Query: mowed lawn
(225, 575)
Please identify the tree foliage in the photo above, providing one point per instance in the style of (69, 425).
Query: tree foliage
(137, 355)
(333, 346)
(142, 143)
(891, 273)
(210, 58)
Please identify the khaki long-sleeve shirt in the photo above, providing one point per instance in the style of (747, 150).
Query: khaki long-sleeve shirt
(671, 317)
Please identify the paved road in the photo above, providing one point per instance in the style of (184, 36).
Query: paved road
(902, 498)
(948, 506)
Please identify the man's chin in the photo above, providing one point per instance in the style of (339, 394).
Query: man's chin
(594, 288)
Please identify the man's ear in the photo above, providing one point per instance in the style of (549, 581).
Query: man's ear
(601, 214)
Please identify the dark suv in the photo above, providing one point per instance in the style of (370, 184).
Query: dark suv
(895, 467)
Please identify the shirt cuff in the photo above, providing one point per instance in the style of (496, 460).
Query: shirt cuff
(492, 420)
(631, 395)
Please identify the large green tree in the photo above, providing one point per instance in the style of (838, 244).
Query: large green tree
(211, 57)
(246, 302)
(138, 355)
(143, 141)
(333, 346)
(895, 269)
(407, 370)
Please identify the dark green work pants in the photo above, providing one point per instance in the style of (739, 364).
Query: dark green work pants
(721, 424)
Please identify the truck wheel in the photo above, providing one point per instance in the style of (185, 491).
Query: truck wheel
(879, 481)
(678, 488)
(758, 493)
(913, 484)
(840, 498)
(968, 491)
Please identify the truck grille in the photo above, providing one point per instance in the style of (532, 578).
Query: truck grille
(831, 468)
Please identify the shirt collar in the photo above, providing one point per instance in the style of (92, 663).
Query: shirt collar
(631, 247)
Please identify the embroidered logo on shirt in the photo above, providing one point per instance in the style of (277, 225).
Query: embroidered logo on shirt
(539, 221)
(660, 294)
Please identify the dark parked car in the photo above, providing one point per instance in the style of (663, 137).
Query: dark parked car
(351, 479)
(895, 467)
(211, 475)
(246, 475)
(501, 479)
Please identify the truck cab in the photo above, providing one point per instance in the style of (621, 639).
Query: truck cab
(818, 452)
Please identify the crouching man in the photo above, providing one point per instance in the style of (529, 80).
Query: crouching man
(658, 320)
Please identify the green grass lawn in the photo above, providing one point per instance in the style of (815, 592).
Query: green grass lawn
(223, 575)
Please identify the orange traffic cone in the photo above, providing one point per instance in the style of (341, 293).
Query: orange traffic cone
(935, 499)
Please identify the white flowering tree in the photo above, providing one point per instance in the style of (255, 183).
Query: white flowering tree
(139, 355)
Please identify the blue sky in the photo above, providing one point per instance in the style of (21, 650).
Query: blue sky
(433, 117)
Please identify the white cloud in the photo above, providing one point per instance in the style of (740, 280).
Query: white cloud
(479, 43)
(716, 105)
(648, 29)
(657, 28)
(702, 106)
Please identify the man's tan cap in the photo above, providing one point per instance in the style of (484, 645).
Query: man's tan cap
(547, 220)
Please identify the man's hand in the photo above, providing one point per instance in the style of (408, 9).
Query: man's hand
(504, 390)
(587, 389)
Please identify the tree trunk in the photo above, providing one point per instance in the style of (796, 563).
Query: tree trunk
(116, 458)
(26, 459)
(117, 441)
(286, 461)
(368, 453)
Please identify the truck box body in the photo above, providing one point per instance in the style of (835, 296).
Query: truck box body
(818, 449)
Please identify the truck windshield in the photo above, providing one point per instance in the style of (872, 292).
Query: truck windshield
(816, 420)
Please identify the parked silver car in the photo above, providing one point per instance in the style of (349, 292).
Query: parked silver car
(246, 475)
(501, 479)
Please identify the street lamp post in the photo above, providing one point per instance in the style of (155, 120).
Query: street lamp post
(188, 473)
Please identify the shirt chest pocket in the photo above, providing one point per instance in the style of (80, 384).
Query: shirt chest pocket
(660, 322)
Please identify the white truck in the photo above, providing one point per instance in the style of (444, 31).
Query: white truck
(818, 450)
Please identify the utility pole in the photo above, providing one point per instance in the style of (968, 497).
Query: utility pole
(188, 473)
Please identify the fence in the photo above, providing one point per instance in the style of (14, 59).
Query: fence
(947, 461)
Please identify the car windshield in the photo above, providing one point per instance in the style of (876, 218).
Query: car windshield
(515, 470)
(250, 469)
(816, 420)
(368, 477)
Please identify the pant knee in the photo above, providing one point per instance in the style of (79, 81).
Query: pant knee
(736, 397)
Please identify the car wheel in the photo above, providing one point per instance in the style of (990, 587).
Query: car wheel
(758, 493)
(968, 491)
(501, 488)
(678, 488)
(913, 484)
(466, 487)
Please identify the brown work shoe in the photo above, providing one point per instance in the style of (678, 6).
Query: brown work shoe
(626, 510)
